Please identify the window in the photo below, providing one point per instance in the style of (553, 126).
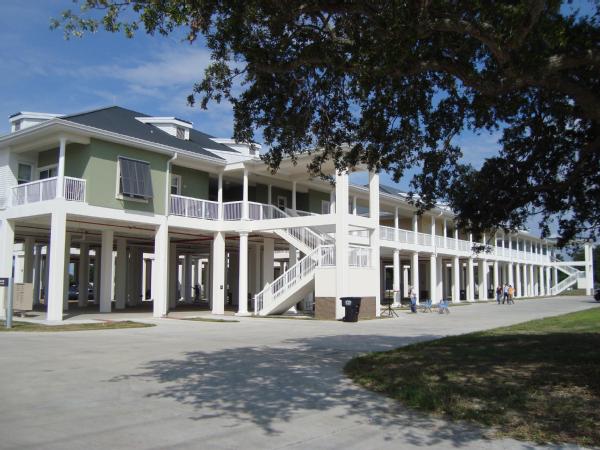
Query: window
(325, 207)
(24, 173)
(281, 202)
(48, 172)
(134, 178)
(180, 133)
(175, 184)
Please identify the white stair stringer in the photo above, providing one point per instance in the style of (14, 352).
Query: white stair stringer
(565, 284)
(293, 284)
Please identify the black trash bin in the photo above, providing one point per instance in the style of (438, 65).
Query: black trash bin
(352, 306)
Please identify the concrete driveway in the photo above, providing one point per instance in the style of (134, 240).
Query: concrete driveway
(259, 383)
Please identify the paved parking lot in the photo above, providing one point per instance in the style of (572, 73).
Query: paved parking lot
(259, 383)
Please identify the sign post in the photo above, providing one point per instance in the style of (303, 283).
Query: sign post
(8, 283)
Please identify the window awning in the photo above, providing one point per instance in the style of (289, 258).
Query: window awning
(135, 178)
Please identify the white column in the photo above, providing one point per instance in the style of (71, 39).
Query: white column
(106, 280)
(218, 274)
(414, 269)
(483, 279)
(470, 278)
(332, 202)
(7, 241)
(220, 195)
(433, 231)
(233, 277)
(37, 274)
(173, 275)
(245, 195)
(66, 270)
(555, 275)
(518, 286)
(28, 257)
(269, 194)
(589, 268)
(187, 278)
(496, 278)
(397, 224)
(433, 295)
(121, 274)
(160, 271)
(530, 279)
(405, 281)
(60, 173)
(56, 289)
(145, 272)
(268, 261)
(445, 233)
(455, 279)
(510, 274)
(374, 237)
(547, 280)
(354, 207)
(396, 284)
(415, 227)
(258, 285)
(84, 273)
(542, 283)
(440, 280)
(294, 195)
(341, 240)
(243, 276)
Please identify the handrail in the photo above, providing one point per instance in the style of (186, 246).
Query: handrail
(45, 189)
(194, 207)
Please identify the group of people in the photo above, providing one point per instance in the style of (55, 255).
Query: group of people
(505, 294)
(442, 305)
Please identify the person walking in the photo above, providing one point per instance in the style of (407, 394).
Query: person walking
(511, 293)
(498, 293)
(413, 299)
(505, 292)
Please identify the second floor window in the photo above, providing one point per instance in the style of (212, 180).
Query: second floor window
(134, 178)
(175, 185)
(48, 172)
(24, 173)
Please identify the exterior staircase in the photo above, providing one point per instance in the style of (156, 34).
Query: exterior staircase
(293, 284)
(572, 276)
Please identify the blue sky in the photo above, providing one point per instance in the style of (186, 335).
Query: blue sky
(41, 71)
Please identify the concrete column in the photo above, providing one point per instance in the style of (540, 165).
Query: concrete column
(66, 271)
(374, 234)
(341, 240)
(530, 280)
(187, 295)
(161, 271)
(589, 269)
(245, 195)
(220, 195)
(405, 281)
(456, 280)
(433, 242)
(106, 269)
(121, 274)
(495, 275)
(7, 242)
(414, 269)
(483, 279)
(433, 295)
(218, 273)
(525, 287)
(28, 259)
(37, 273)
(60, 172)
(173, 276)
(243, 276)
(270, 194)
(548, 280)
(470, 280)
(445, 233)
(415, 227)
(518, 287)
(440, 280)
(294, 195)
(268, 261)
(555, 275)
(542, 283)
(57, 288)
(510, 274)
(332, 202)
(84, 273)
(396, 284)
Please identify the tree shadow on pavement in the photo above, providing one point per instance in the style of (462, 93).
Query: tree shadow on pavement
(267, 385)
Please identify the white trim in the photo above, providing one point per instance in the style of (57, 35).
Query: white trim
(31, 174)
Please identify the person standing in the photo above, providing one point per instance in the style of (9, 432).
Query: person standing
(498, 293)
(505, 292)
(413, 299)
(511, 293)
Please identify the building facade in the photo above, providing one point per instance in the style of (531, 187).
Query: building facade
(113, 209)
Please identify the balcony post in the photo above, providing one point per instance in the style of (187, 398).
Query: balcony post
(415, 227)
(445, 233)
(245, 215)
(294, 195)
(433, 243)
(220, 197)
(60, 178)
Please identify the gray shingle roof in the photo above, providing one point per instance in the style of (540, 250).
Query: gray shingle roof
(123, 121)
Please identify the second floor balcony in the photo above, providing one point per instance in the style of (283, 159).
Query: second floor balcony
(73, 189)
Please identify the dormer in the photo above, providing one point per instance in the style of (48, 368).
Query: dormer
(21, 120)
(244, 148)
(172, 125)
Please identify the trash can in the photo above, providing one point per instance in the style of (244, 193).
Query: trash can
(352, 307)
(463, 294)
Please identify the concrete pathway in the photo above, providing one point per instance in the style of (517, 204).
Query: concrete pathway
(259, 383)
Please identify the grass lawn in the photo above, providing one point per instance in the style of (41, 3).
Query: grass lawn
(29, 326)
(537, 381)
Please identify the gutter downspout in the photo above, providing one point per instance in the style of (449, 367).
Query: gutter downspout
(168, 185)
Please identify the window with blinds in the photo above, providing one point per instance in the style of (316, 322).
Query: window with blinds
(135, 178)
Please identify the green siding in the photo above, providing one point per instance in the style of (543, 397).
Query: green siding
(48, 158)
(194, 183)
(97, 164)
(314, 200)
(261, 193)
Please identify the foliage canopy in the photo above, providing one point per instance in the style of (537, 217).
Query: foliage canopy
(390, 83)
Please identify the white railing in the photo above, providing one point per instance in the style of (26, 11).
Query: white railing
(194, 207)
(564, 284)
(42, 190)
(261, 211)
(424, 239)
(359, 256)
(464, 246)
(232, 210)
(298, 212)
(306, 236)
(304, 268)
